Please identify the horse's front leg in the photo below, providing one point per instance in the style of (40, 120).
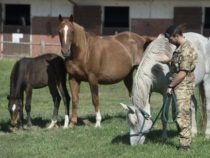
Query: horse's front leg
(66, 101)
(28, 106)
(75, 89)
(56, 100)
(21, 118)
(95, 99)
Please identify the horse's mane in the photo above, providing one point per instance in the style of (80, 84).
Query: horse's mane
(15, 81)
(143, 80)
(80, 37)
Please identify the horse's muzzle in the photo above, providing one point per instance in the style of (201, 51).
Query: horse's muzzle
(66, 53)
(13, 121)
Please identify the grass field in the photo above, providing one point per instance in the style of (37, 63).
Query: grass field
(109, 141)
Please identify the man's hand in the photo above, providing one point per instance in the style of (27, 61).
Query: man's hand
(169, 91)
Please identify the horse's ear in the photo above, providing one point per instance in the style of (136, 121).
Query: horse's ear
(60, 17)
(8, 97)
(128, 108)
(71, 18)
(124, 106)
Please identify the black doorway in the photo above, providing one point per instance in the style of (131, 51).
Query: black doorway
(116, 19)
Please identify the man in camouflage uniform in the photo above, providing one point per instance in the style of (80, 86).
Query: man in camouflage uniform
(183, 81)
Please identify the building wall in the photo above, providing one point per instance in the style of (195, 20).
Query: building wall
(149, 17)
(148, 9)
(44, 15)
(45, 7)
(147, 12)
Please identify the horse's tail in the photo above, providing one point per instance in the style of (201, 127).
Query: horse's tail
(203, 105)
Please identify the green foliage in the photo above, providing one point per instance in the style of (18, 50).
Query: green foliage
(111, 140)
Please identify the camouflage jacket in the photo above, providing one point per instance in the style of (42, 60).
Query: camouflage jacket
(184, 58)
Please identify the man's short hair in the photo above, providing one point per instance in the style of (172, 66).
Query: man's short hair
(173, 30)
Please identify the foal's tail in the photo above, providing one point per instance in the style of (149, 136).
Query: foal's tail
(203, 106)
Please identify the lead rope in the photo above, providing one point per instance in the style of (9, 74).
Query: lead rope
(163, 109)
(165, 106)
(175, 106)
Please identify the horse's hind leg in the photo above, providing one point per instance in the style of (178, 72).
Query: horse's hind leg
(194, 112)
(56, 99)
(66, 101)
(128, 81)
(28, 105)
(207, 107)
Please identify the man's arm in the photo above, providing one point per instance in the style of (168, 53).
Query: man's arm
(178, 78)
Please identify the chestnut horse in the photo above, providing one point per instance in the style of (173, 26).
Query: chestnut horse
(98, 60)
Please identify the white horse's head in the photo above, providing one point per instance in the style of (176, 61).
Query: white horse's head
(139, 124)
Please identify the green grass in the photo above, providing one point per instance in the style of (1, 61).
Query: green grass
(111, 140)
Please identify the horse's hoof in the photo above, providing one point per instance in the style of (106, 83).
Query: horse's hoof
(64, 127)
(164, 137)
(97, 125)
(194, 134)
(87, 122)
(163, 140)
(71, 125)
(52, 124)
(29, 125)
(207, 136)
(12, 129)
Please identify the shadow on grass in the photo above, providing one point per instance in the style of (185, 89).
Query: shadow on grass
(40, 122)
(92, 119)
(82, 121)
(6, 127)
(153, 137)
(121, 139)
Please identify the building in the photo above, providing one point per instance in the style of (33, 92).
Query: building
(36, 21)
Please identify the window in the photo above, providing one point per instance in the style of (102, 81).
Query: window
(17, 14)
(116, 17)
(207, 18)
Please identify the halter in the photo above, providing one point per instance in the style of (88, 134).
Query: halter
(146, 116)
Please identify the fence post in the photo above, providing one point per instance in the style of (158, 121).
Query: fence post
(42, 47)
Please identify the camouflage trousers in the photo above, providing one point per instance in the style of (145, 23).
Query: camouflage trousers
(183, 99)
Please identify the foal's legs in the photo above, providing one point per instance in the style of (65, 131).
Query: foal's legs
(28, 105)
(75, 89)
(66, 101)
(21, 111)
(93, 82)
(56, 99)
